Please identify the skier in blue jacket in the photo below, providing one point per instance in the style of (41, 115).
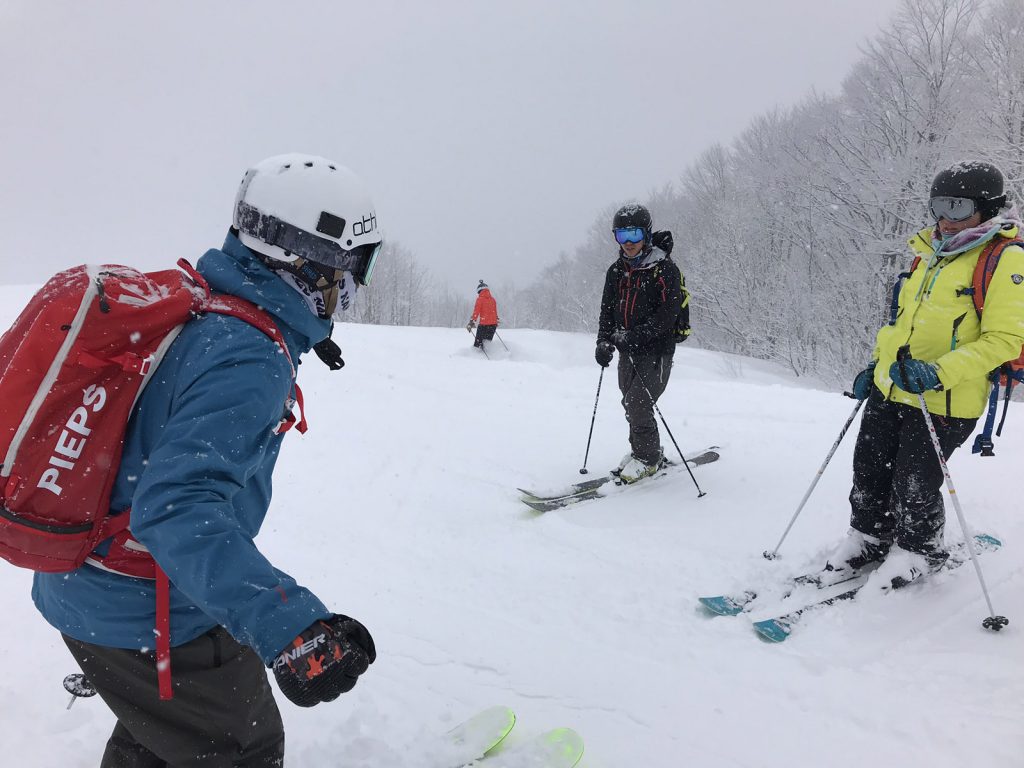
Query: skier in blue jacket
(196, 474)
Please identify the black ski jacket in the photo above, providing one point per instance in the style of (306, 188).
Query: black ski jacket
(645, 301)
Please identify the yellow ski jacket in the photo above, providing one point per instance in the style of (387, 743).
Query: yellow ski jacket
(937, 318)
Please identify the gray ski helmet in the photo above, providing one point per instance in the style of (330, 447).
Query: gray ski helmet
(981, 182)
(632, 215)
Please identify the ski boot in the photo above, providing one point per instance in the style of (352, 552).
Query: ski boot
(902, 567)
(857, 552)
(635, 469)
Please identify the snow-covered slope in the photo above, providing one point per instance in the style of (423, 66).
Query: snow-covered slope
(399, 508)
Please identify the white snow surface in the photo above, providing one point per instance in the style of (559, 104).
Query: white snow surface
(399, 508)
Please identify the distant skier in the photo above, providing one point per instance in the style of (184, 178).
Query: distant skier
(644, 313)
(898, 514)
(195, 478)
(485, 315)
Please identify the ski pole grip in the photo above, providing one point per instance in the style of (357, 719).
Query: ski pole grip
(902, 355)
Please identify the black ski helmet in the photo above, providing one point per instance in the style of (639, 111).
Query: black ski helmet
(981, 182)
(632, 215)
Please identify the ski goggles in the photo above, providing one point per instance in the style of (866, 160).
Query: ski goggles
(360, 260)
(625, 235)
(952, 208)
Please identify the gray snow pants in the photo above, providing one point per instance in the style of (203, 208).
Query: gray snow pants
(223, 714)
(654, 369)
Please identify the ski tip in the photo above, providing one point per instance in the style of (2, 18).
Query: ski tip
(988, 541)
(566, 746)
(476, 737)
(499, 713)
(557, 748)
(772, 630)
(721, 605)
(538, 506)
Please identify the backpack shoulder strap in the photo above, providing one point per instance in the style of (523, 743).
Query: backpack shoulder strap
(248, 312)
(895, 301)
(223, 304)
(986, 267)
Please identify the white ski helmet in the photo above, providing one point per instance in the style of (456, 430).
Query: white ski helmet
(298, 208)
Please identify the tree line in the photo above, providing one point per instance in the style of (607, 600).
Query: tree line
(792, 235)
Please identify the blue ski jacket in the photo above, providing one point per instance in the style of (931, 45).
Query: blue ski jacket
(196, 472)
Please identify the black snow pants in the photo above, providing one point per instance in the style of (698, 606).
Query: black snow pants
(223, 714)
(897, 478)
(484, 333)
(654, 368)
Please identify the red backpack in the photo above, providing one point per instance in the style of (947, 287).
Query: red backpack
(72, 367)
(1009, 372)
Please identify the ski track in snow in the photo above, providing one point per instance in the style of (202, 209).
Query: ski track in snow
(399, 508)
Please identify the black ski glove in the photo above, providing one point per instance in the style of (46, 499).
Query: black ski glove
(620, 338)
(324, 661)
(603, 353)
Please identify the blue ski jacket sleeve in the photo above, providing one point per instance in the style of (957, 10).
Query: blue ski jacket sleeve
(215, 442)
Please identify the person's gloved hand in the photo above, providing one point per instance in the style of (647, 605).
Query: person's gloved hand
(863, 382)
(603, 353)
(469, 326)
(324, 661)
(915, 376)
(620, 338)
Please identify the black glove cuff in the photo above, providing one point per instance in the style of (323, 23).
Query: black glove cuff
(330, 354)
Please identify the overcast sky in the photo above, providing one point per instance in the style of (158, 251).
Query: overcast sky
(491, 133)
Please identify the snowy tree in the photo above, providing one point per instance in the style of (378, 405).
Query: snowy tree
(792, 235)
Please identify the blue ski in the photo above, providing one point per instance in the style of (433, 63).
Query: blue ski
(733, 605)
(778, 628)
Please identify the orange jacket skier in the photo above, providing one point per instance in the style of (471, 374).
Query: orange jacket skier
(485, 313)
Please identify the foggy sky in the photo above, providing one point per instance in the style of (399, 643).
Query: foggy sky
(491, 133)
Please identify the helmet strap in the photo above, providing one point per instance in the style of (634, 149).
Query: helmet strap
(318, 284)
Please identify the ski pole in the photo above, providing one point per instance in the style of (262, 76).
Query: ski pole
(665, 423)
(993, 622)
(501, 340)
(583, 469)
(835, 446)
